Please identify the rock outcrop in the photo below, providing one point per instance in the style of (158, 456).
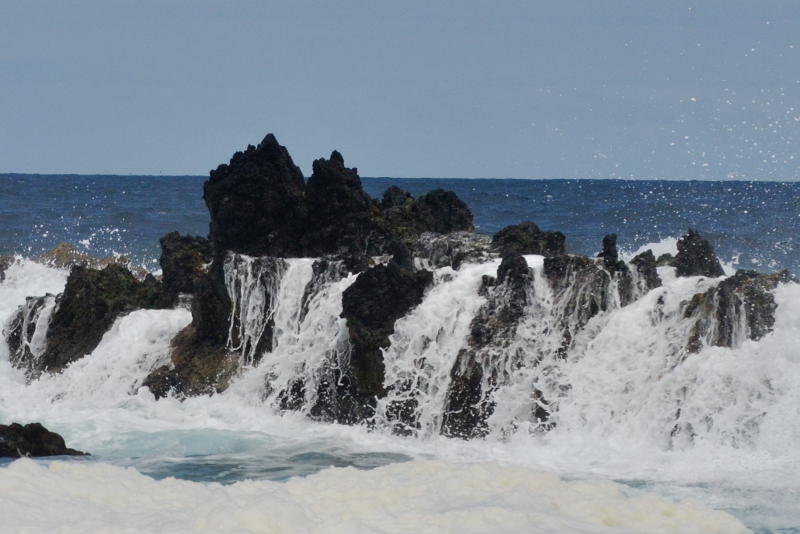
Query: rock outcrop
(526, 238)
(32, 440)
(379, 297)
(696, 257)
(738, 308)
(256, 201)
(184, 262)
(91, 302)
(469, 401)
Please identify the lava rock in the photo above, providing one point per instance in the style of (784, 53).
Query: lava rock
(395, 197)
(469, 404)
(645, 265)
(745, 298)
(610, 255)
(453, 249)
(91, 302)
(256, 201)
(32, 440)
(184, 260)
(443, 212)
(340, 215)
(527, 238)
(696, 257)
(371, 305)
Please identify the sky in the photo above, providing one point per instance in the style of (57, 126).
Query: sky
(534, 89)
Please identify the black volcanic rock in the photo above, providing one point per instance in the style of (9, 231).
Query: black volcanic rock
(91, 302)
(183, 262)
(340, 215)
(610, 254)
(442, 212)
(645, 264)
(745, 298)
(696, 257)
(256, 201)
(377, 298)
(468, 405)
(527, 238)
(394, 197)
(32, 440)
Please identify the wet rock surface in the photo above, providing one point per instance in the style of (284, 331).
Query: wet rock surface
(32, 439)
(91, 302)
(696, 257)
(379, 297)
(469, 402)
(184, 261)
(740, 307)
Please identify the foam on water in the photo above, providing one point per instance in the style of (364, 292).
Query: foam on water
(719, 426)
(420, 496)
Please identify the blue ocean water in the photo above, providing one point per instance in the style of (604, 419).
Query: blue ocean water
(752, 224)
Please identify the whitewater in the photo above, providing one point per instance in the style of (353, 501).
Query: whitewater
(615, 460)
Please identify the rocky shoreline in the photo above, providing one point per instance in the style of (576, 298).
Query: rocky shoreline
(264, 212)
(17, 441)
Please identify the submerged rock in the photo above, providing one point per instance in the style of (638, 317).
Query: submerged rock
(32, 440)
(696, 257)
(526, 238)
(740, 307)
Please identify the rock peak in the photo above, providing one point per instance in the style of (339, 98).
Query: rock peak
(337, 157)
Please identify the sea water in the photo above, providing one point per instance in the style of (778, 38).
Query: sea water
(233, 463)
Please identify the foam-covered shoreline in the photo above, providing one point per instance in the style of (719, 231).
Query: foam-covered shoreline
(417, 496)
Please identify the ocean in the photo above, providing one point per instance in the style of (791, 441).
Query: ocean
(233, 462)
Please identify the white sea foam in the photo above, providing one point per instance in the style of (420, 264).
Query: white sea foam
(617, 398)
(419, 496)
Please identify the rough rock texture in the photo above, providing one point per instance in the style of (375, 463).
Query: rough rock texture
(665, 260)
(526, 238)
(184, 260)
(645, 264)
(696, 257)
(198, 367)
(200, 363)
(25, 332)
(738, 308)
(610, 255)
(441, 250)
(32, 440)
(256, 201)
(468, 403)
(340, 215)
(443, 212)
(91, 301)
(379, 297)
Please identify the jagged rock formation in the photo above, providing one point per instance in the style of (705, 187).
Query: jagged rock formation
(184, 261)
(379, 297)
(696, 257)
(526, 238)
(66, 255)
(91, 301)
(738, 308)
(452, 249)
(26, 333)
(469, 401)
(256, 201)
(32, 440)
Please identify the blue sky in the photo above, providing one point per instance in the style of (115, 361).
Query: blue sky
(593, 89)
